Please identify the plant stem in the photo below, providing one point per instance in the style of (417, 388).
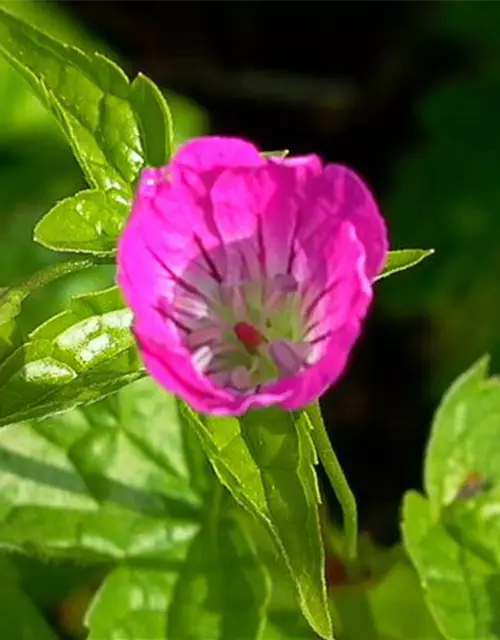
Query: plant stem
(19, 293)
(54, 272)
(337, 479)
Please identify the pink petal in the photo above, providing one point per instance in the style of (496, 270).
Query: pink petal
(356, 203)
(177, 374)
(335, 193)
(305, 167)
(140, 278)
(214, 152)
(336, 286)
(307, 387)
(255, 211)
(176, 228)
(342, 310)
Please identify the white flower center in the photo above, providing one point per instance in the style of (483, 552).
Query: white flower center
(245, 335)
(256, 331)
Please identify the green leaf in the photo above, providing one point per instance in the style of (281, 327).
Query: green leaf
(132, 603)
(276, 154)
(155, 120)
(209, 601)
(98, 483)
(462, 589)
(462, 470)
(398, 606)
(463, 429)
(89, 222)
(112, 126)
(287, 625)
(10, 307)
(453, 538)
(473, 522)
(10, 303)
(266, 460)
(19, 618)
(220, 591)
(393, 607)
(76, 357)
(112, 483)
(52, 584)
(383, 599)
(11, 299)
(403, 259)
(284, 619)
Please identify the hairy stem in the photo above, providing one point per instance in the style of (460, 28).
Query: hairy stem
(46, 276)
(337, 479)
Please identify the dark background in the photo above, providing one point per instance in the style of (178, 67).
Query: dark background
(407, 93)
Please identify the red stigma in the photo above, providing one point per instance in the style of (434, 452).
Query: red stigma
(250, 337)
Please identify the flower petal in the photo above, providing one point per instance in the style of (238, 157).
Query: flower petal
(255, 211)
(213, 152)
(339, 314)
(221, 222)
(177, 374)
(309, 386)
(305, 167)
(140, 278)
(336, 286)
(356, 203)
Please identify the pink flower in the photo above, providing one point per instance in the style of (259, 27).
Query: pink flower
(248, 276)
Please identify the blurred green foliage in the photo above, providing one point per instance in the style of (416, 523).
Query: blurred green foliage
(37, 168)
(445, 193)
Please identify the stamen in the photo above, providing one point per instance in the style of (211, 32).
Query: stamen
(202, 358)
(240, 379)
(286, 356)
(203, 336)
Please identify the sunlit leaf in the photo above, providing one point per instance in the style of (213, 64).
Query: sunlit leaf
(403, 259)
(110, 124)
(97, 483)
(266, 460)
(89, 222)
(462, 589)
(75, 358)
(276, 154)
(155, 121)
(464, 427)
(112, 483)
(208, 603)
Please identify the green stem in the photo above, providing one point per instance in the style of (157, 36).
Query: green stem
(47, 275)
(337, 479)
(54, 272)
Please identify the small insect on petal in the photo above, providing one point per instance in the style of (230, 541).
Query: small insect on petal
(474, 485)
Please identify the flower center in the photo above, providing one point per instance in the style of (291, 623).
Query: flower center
(246, 335)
